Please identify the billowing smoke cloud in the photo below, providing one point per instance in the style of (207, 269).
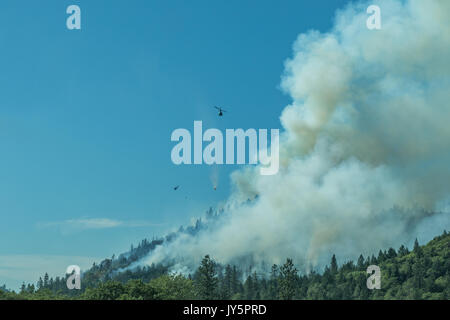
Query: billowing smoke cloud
(367, 133)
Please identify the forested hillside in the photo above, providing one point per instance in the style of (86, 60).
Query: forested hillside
(422, 273)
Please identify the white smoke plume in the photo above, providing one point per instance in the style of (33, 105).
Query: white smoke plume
(367, 133)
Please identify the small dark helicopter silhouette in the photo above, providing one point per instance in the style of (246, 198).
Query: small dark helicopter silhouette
(176, 188)
(221, 111)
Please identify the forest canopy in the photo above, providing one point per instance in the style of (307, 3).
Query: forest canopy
(420, 273)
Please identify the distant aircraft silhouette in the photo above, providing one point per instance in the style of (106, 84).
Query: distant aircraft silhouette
(221, 111)
(176, 188)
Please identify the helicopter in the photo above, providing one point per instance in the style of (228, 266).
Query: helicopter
(176, 188)
(221, 111)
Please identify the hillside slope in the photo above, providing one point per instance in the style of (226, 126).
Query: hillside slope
(422, 273)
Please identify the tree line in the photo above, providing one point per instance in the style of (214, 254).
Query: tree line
(422, 273)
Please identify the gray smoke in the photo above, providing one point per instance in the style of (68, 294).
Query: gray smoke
(367, 133)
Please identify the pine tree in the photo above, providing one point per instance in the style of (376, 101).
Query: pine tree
(256, 287)
(417, 249)
(381, 256)
(391, 253)
(235, 283)
(207, 279)
(333, 265)
(288, 280)
(249, 288)
(273, 283)
(46, 277)
(227, 283)
(40, 283)
(360, 264)
(416, 245)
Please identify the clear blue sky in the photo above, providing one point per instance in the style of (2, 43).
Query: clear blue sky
(86, 116)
